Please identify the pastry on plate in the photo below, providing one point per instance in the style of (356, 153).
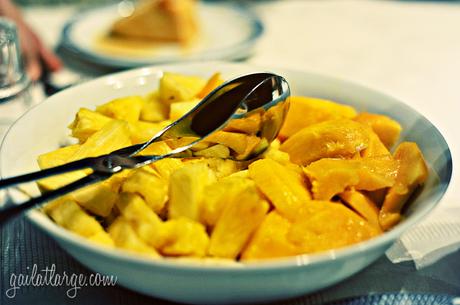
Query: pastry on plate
(160, 20)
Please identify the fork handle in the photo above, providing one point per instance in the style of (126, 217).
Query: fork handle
(57, 170)
(10, 210)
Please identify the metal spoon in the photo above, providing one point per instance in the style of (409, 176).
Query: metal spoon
(266, 93)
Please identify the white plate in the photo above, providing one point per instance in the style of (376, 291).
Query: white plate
(44, 127)
(227, 32)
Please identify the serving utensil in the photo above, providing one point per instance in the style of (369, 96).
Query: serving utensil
(264, 92)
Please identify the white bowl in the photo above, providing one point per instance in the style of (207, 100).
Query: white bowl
(43, 128)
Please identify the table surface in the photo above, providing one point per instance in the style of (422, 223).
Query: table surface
(407, 49)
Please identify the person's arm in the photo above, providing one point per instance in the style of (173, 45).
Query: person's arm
(37, 57)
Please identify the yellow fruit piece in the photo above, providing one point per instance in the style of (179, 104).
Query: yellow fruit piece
(126, 238)
(215, 151)
(387, 129)
(243, 145)
(114, 135)
(166, 167)
(249, 125)
(330, 177)
(156, 149)
(141, 132)
(152, 188)
(186, 187)
(285, 188)
(184, 237)
(375, 148)
(362, 205)
(70, 215)
(327, 225)
(214, 81)
(306, 111)
(97, 198)
(179, 109)
(412, 172)
(102, 238)
(270, 239)
(224, 167)
(219, 194)
(239, 219)
(86, 123)
(176, 88)
(125, 108)
(144, 221)
(153, 110)
(330, 139)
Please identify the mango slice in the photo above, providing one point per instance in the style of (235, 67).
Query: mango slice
(330, 177)
(86, 123)
(327, 225)
(186, 190)
(239, 219)
(270, 240)
(125, 108)
(285, 188)
(214, 81)
(375, 148)
(363, 205)
(412, 173)
(306, 111)
(330, 139)
(387, 129)
(249, 125)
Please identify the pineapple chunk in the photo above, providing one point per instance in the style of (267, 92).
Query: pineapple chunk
(411, 173)
(156, 149)
(243, 145)
(165, 167)
(362, 205)
(239, 219)
(327, 225)
(219, 194)
(213, 82)
(330, 177)
(387, 129)
(285, 188)
(102, 238)
(126, 238)
(176, 88)
(125, 108)
(184, 237)
(56, 158)
(330, 139)
(97, 198)
(270, 240)
(71, 216)
(179, 109)
(144, 221)
(224, 167)
(153, 110)
(114, 135)
(86, 123)
(186, 190)
(152, 188)
(215, 151)
(306, 111)
(141, 132)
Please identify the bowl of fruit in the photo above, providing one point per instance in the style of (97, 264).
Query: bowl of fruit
(350, 171)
